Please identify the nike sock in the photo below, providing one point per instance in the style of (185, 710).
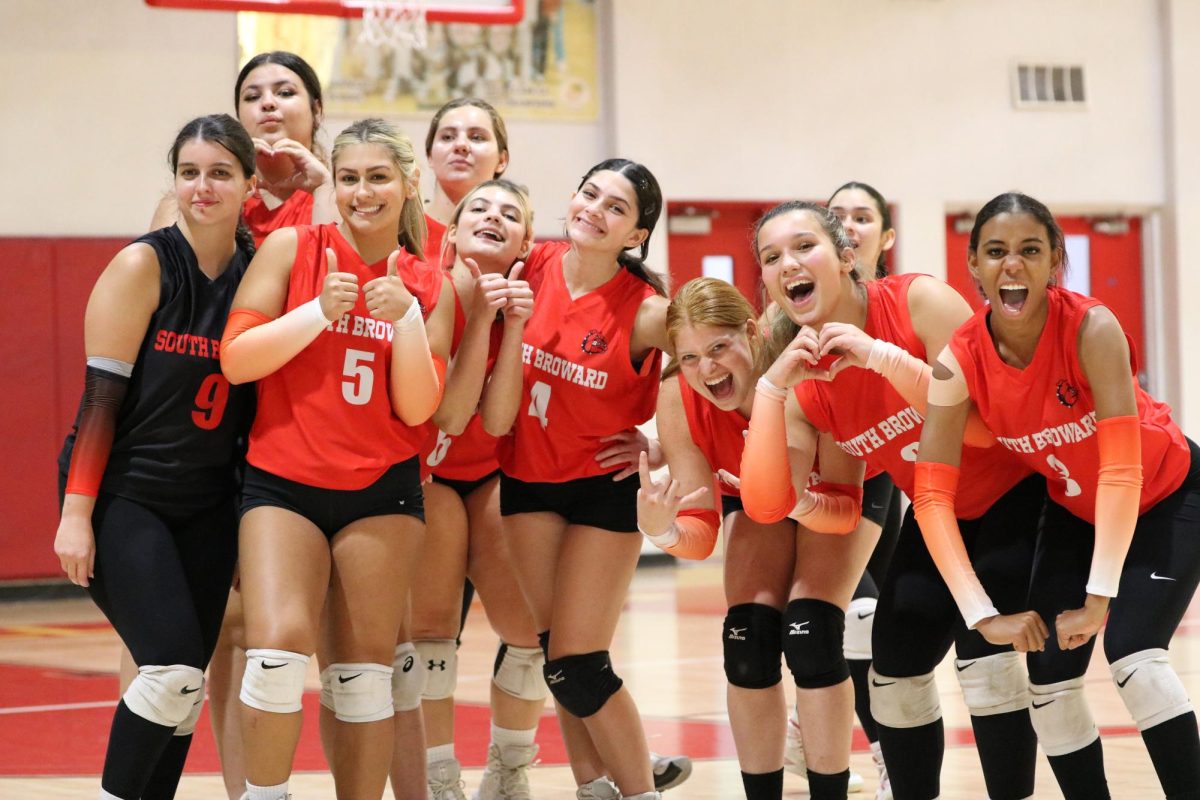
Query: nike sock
(441, 752)
(1007, 749)
(276, 792)
(134, 747)
(862, 697)
(1174, 748)
(503, 736)
(828, 787)
(1080, 775)
(763, 786)
(914, 758)
(165, 778)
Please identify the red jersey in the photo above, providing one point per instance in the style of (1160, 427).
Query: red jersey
(296, 210)
(434, 241)
(720, 435)
(472, 454)
(1046, 413)
(325, 418)
(869, 419)
(580, 384)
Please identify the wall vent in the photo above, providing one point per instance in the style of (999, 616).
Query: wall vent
(1048, 86)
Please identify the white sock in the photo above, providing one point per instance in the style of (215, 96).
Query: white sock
(441, 752)
(503, 736)
(107, 795)
(277, 792)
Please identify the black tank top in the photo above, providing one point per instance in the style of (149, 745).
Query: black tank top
(181, 427)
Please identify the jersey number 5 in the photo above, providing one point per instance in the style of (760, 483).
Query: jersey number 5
(539, 401)
(211, 399)
(359, 378)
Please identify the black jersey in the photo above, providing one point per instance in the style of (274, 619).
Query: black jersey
(181, 425)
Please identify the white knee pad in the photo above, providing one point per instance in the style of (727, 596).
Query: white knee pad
(519, 672)
(856, 641)
(362, 692)
(904, 702)
(994, 684)
(440, 659)
(327, 689)
(188, 726)
(165, 695)
(1061, 717)
(1150, 689)
(408, 678)
(274, 680)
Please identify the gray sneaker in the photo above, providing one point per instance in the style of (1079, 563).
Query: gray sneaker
(599, 789)
(669, 771)
(504, 777)
(445, 780)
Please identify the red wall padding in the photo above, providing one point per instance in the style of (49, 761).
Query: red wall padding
(45, 285)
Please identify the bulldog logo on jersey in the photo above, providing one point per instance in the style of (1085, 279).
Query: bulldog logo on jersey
(593, 342)
(1067, 394)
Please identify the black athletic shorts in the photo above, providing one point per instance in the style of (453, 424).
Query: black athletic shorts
(731, 503)
(599, 501)
(398, 491)
(464, 488)
(877, 498)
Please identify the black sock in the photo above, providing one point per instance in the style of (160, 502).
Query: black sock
(1007, 749)
(134, 747)
(1080, 775)
(763, 786)
(828, 787)
(862, 698)
(1174, 748)
(165, 780)
(914, 758)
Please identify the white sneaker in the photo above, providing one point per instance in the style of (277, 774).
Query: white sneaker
(504, 777)
(445, 780)
(599, 789)
(645, 796)
(669, 771)
(884, 792)
(793, 757)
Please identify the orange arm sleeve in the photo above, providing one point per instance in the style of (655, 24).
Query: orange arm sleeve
(767, 491)
(911, 377)
(254, 345)
(832, 508)
(103, 393)
(697, 533)
(936, 485)
(1118, 495)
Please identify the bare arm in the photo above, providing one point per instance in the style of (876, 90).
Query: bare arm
(503, 393)
(650, 328)
(468, 369)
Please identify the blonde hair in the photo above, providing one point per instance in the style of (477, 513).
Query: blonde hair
(515, 189)
(412, 232)
(709, 301)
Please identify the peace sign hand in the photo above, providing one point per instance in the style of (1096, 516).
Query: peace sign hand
(387, 297)
(339, 292)
(659, 502)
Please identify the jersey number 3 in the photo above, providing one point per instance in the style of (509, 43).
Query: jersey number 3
(211, 399)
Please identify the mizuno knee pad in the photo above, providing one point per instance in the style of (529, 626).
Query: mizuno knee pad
(274, 680)
(1150, 689)
(165, 695)
(812, 643)
(753, 645)
(583, 683)
(518, 672)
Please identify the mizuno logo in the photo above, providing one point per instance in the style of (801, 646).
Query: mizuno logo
(1036, 704)
(736, 634)
(798, 629)
(1127, 677)
(437, 664)
(968, 665)
(344, 679)
(186, 690)
(864, 616)
(876, 682)
(555, 678)
(274, 666)
(1154, 576)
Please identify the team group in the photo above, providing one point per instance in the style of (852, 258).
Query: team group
(399, 403)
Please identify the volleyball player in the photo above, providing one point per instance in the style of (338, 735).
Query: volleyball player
(856, 354)
(1051, 373)
(149, 518)
(329, 322)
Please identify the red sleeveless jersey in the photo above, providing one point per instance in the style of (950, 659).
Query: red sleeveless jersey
(434, 240)
(580, 384)
(325, 418)
(869, 419)
(720, 435)
(296, 210)
(472, 454)
(1046, 413)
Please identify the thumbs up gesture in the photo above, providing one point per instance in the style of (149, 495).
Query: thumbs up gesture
(519, 307)
(387, 297)
(490, 293)
(340, 289)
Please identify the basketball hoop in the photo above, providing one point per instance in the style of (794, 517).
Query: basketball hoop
(394, 24)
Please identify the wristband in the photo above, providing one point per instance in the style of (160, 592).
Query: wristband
(663, 540)
(411, 320)
(883, 354)
(770, 390)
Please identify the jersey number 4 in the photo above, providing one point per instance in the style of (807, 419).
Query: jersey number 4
(211, 399)
(539, 401)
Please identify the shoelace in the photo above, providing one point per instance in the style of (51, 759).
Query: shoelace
(439, 788)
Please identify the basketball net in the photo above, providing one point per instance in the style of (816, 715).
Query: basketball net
(394, 24)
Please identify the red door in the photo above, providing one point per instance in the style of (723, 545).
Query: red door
(1104, 260)
(720, 232)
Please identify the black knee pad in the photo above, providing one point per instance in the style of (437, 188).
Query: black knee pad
(582, 684)
(544, 641)
(812, 643)
(753, 645)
